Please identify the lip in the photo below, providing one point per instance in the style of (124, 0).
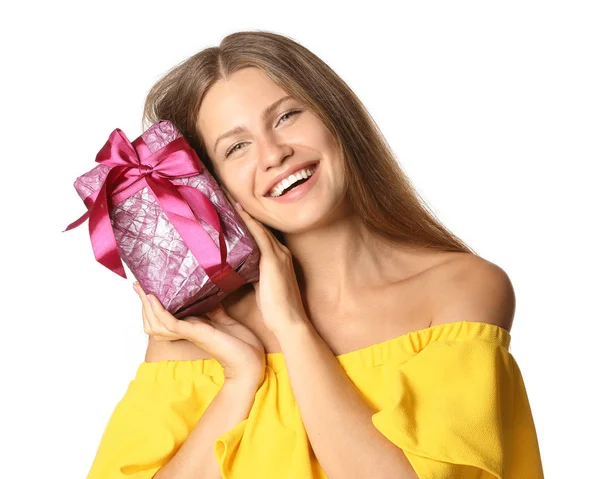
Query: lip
(286, 173)
(299, 191)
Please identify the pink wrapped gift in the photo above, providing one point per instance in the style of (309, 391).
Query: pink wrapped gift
(153, 205)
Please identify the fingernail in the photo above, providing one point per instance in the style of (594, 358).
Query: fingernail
(238, 206)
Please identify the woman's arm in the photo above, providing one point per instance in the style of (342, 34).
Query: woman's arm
(196, 458)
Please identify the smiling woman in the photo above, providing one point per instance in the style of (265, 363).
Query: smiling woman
(386, 338)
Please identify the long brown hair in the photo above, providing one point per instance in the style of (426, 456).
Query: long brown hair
(378, 189)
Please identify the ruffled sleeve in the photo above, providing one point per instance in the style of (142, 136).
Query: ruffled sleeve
(155, 416)
(460, 409)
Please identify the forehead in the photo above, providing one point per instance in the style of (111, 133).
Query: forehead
(238, 100)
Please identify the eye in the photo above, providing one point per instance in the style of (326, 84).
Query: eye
(233, 148)
(286, 114)
(290, 113)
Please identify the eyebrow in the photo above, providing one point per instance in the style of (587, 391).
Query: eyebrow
(241, 129)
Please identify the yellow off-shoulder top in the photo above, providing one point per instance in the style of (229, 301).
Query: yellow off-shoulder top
(451, 396)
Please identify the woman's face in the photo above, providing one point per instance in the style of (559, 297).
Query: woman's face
(250, 159)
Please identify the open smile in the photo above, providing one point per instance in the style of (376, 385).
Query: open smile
(299, 191)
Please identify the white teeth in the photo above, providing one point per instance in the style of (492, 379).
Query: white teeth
(282, 185)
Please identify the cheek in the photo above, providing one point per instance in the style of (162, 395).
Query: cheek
(239, 181)
(320, 135)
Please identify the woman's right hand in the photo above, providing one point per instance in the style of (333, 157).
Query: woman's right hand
(231, 343)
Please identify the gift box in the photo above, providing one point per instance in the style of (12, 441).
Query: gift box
(153, 205)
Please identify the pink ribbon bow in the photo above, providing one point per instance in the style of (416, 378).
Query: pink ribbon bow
(133, 167)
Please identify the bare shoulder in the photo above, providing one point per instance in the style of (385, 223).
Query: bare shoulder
(471, 288)
(236, 306)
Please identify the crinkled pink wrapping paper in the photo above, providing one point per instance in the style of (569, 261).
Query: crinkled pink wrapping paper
(154, 251)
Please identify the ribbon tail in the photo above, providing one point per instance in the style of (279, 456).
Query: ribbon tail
(187, 225)
(77, 222)
(89, 202)
(229, 279)
(203, 208)
(194, 235)
(102, 235)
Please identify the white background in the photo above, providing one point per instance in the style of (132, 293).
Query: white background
(493, 109)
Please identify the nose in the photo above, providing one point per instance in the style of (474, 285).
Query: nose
(272, 152)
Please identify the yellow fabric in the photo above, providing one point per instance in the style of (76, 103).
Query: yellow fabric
(451, 396)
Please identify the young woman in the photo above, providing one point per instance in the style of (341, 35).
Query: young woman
(376, 343)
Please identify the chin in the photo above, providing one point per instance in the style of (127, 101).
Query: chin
(307, 219)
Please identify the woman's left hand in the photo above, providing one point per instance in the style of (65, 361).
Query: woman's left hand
(277, 293)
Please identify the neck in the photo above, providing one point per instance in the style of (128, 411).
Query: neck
(338, 262)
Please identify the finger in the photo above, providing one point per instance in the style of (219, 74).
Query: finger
(218, 315)
(265, 240)
(147, 329)
(144, 318)
(147, 313)
(155, 325)
(259, 229)
(151, 330)
(195, 330)
(166, 321)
